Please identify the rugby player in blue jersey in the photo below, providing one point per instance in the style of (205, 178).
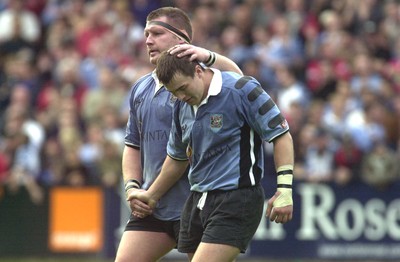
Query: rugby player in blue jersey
(150, 238)
(218, 129)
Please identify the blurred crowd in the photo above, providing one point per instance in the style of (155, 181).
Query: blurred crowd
(67, 66)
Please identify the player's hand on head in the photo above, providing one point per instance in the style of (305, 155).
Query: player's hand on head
(194, 52)
(280, 207)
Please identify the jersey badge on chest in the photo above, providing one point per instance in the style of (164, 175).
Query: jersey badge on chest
(216, 122)
(172, 99)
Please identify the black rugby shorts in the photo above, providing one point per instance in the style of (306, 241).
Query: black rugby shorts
(228, 217)
(152, 224)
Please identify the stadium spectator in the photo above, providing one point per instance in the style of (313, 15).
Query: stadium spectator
(283, 48)
(94, 24)
(365, 125)
(20, 28)
(204, 23)
(365, 76)
(289, 90)
(113, 126)
(109, 165)
(380, 167)
(319, 158)
(74, 173)
(90, 151)
(52, 163)
(23, 149)
(347, 161)
(68, 81)
(108, 93)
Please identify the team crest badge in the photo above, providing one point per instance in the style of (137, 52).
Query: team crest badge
(216, 122)
(172, 99)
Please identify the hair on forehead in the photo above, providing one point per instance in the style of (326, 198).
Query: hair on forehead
(169, 65)
(175, 17)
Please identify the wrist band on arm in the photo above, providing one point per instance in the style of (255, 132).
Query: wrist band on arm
(284, 186)
(211, 59)
(285, 176)
(132, 183)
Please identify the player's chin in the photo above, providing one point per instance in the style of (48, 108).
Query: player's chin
(191, 101)
(153, 60)
(153, 56)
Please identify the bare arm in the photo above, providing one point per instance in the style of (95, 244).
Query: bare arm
(226, 64)
(283, 150)
(171, 172)
(280, 206)
(202, 55)
(131, 169)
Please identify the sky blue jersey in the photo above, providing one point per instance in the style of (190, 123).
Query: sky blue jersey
(222, 138)
(148, 130)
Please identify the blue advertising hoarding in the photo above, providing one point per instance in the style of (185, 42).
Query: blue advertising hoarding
(331, 222)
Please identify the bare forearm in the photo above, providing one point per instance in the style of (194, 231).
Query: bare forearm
(280, 206)
(131, 167)
(283, 150)
(203, 55)
(226, 64)
(171, 172)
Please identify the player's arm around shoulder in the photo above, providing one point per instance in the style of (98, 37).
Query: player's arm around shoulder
(205, 56)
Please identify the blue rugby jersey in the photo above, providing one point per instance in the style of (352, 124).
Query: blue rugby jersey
(223, 139)
(148, 129)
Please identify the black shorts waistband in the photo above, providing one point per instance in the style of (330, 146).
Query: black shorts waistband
(218, 191)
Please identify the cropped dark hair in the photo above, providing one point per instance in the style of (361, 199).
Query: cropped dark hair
(175, 17)
(169, 65)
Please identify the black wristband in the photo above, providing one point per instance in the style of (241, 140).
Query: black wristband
(133, 181)
(284, 186)
(285, 172)
(211, 60)
(131, 186)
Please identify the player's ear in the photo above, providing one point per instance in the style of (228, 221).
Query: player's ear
(198, 70)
